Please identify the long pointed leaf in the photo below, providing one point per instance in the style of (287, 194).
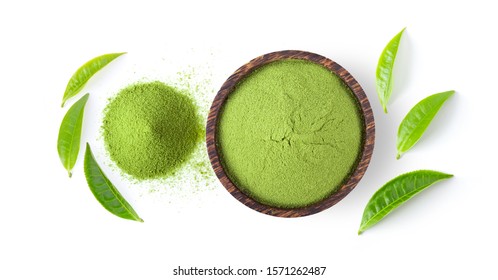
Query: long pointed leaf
(385, 66)
(68, 142)
(85, 72)
(396, 192)
(104, 191)
(418, 119)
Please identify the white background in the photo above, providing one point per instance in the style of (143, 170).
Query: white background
(53, 228)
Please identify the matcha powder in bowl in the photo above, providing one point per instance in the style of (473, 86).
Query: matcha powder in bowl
(150, 130)
(290, 133)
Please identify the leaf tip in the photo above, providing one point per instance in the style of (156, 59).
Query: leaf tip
(385, 108)
(70, 173)
(398, 156)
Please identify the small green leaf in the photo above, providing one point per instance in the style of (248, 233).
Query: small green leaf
(418, 119)
(68, 142)
(384, 74)
(85, 72)
(104, 191)
(396, 192)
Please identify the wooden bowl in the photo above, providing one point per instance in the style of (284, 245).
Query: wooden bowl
(350, 183)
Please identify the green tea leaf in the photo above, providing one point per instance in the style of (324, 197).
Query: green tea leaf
(384, 74)
(396, 192)
(104, 191)
(418, 119)
(85, 72)
(68, 142)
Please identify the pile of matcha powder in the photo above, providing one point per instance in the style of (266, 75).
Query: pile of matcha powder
(151, 129)
(290, 134)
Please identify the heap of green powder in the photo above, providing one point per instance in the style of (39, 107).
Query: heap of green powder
(290, 134)
(151, 129)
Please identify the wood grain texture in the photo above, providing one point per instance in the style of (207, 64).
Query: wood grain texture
(229, 86)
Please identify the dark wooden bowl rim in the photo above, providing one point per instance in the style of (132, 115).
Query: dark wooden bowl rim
(229, 86)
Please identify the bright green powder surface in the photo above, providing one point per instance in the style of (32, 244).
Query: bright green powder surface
(151, 129)
(290, 134)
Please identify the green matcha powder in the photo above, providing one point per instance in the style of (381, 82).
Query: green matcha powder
(151, 129)
(290, 134)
